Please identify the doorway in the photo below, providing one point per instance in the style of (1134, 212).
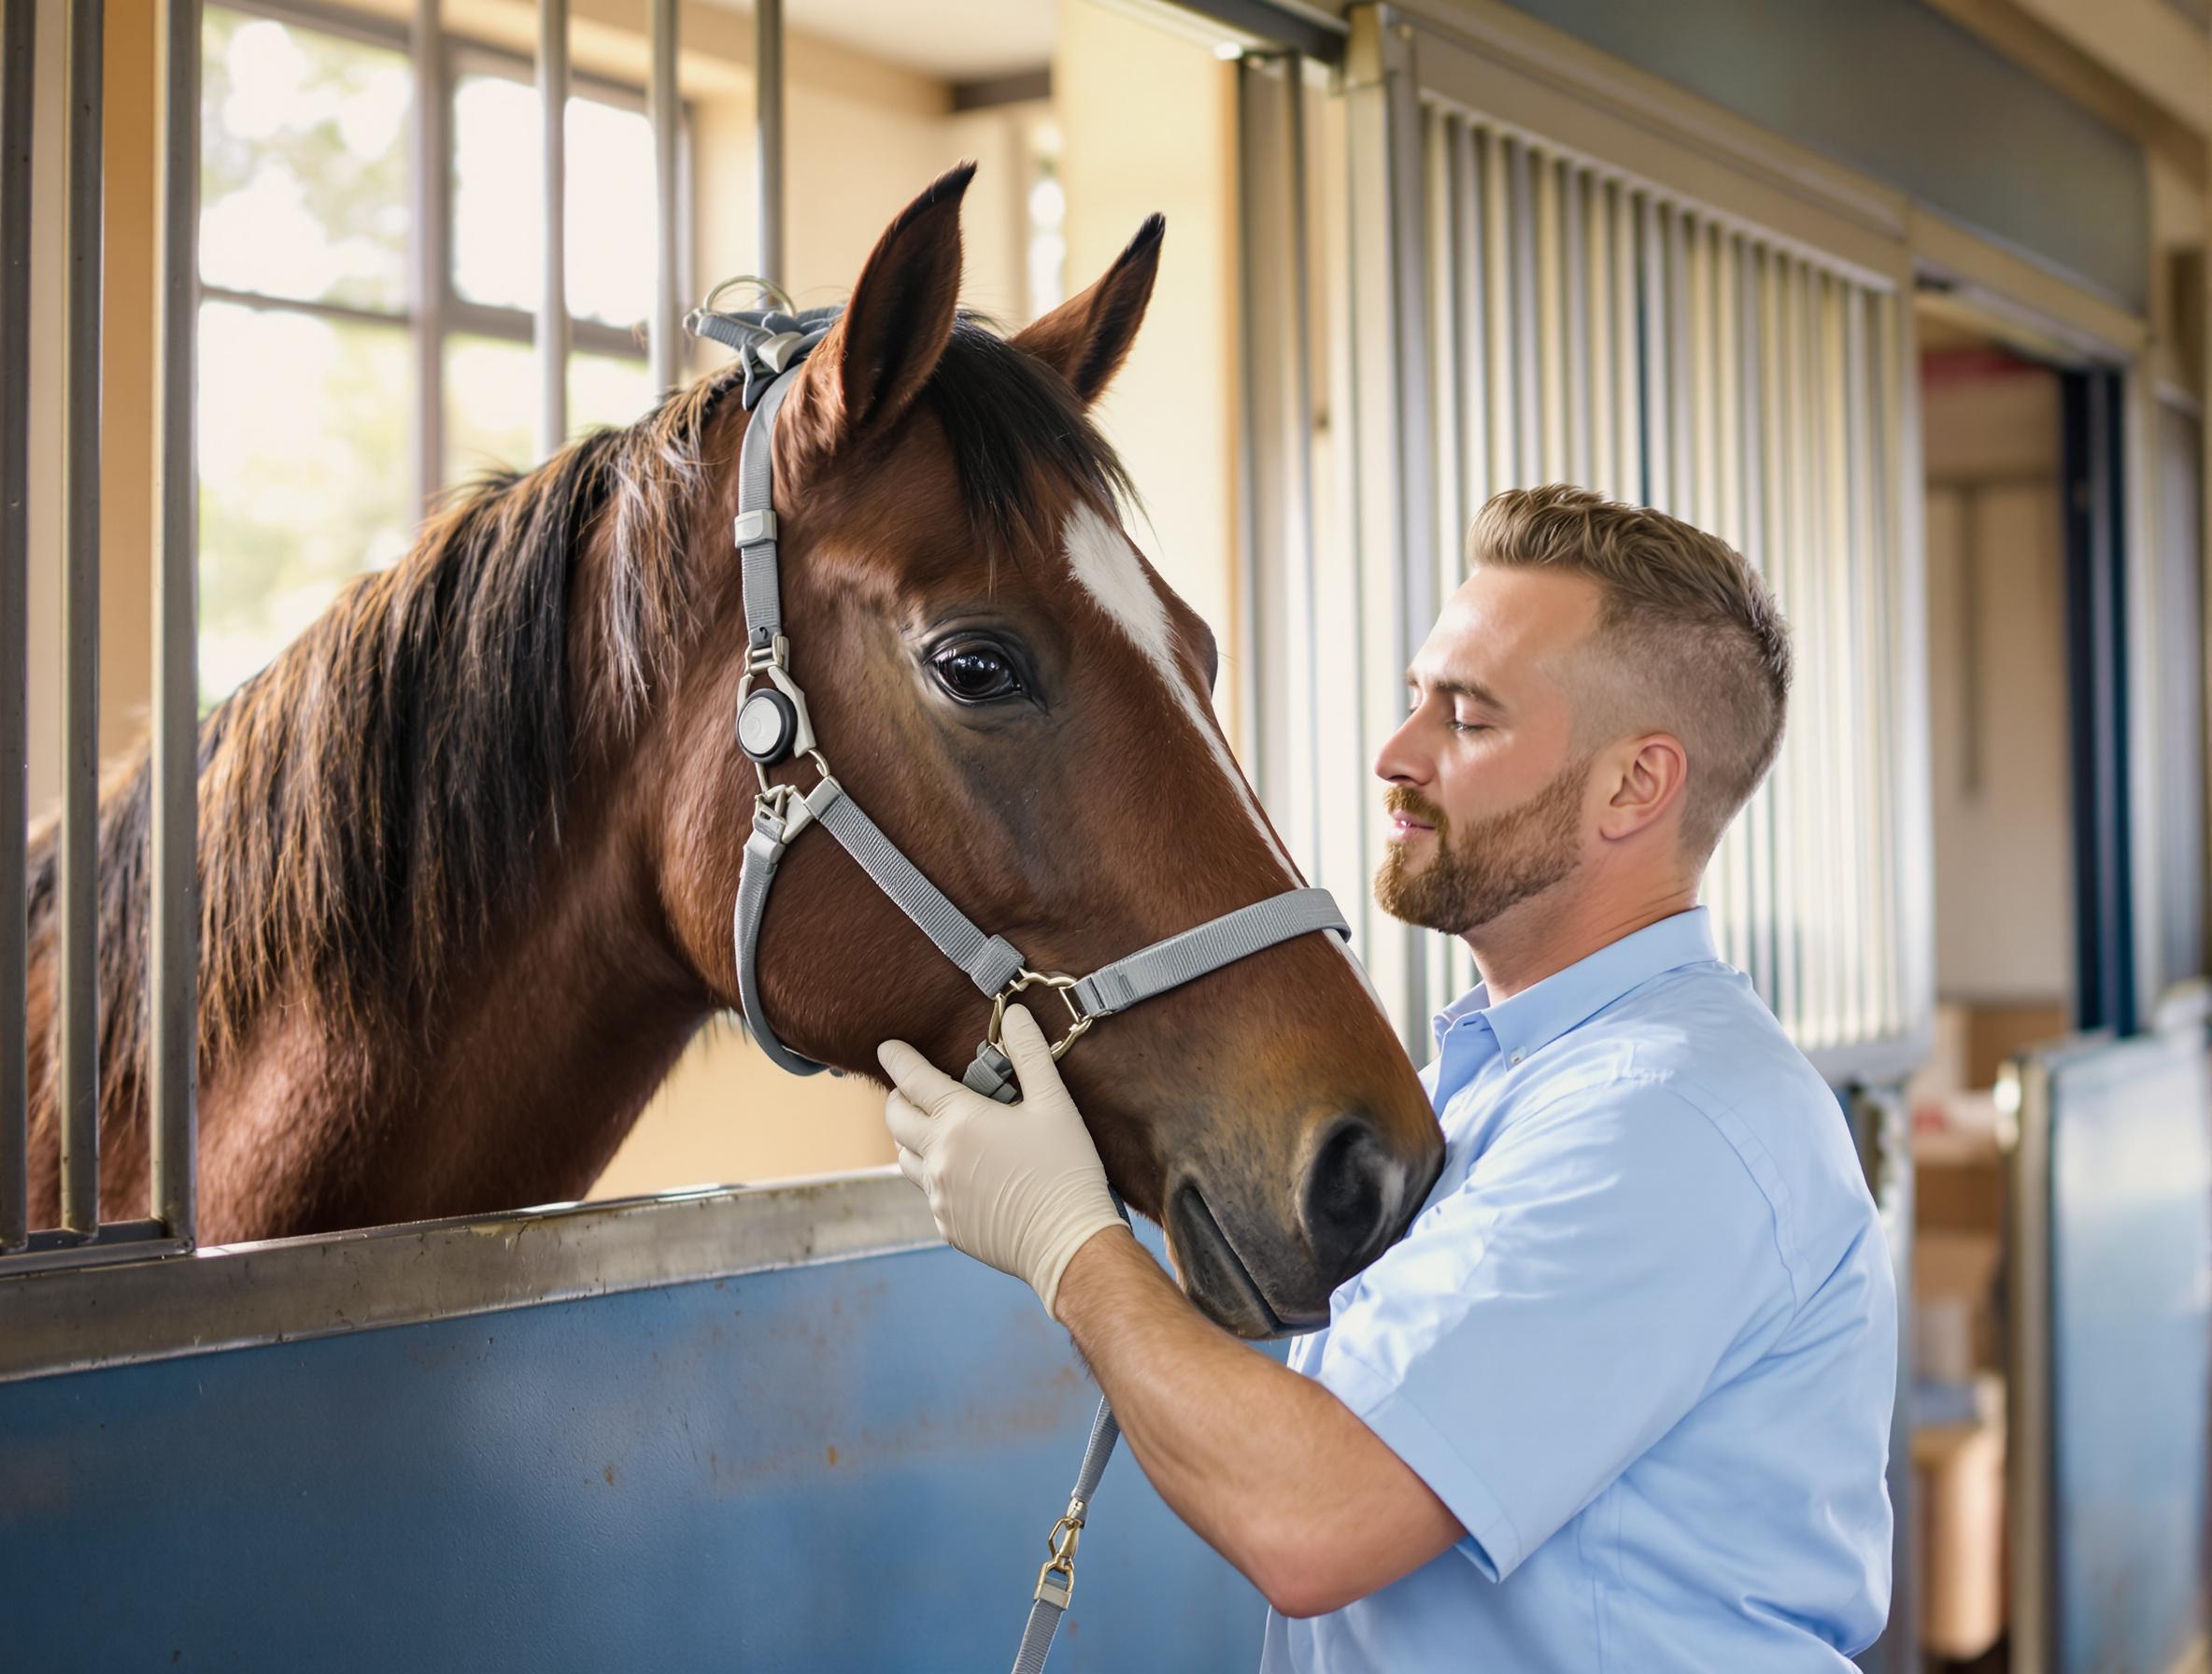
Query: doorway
(1998, 430)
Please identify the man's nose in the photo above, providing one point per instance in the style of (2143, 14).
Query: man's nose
(1401, 760)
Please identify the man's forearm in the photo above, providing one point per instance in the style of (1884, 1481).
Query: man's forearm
(1270, 1468)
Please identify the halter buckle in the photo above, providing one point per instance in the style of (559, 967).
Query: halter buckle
(1064, 987)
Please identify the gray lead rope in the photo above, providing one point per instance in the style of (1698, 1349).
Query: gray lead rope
(1056, 1581)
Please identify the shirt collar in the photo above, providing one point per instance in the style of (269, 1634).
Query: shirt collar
(1539, 1015)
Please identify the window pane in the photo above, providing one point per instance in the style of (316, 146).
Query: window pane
(608, 389)
(610, 213)
(497, 229)
(303, 474)
(303, 163)
(491, 406)
(498, 232)
(491, 402)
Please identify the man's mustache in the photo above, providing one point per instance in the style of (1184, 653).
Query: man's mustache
(1403, 800)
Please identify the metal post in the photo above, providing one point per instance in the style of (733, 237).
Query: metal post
(428, 194)
(1415, 417)
(81, 631)
(1293, 75)
(666, 339)
(768, 101)
(1394, 429)
(174, 953)
(1256, 451)
(18, 37)
(553, 293)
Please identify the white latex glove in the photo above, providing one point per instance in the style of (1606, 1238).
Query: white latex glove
(1018, 1185)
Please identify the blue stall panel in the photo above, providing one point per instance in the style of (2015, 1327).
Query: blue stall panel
(2130, 1272)
(848, 1466)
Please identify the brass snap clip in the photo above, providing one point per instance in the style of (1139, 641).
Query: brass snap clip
(1056, 1580)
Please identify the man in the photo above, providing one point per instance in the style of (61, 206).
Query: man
(1620, 1398)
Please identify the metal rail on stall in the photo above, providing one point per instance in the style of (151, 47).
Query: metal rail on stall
(83, 1237)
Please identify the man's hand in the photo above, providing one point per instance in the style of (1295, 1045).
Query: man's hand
(1018, 1185)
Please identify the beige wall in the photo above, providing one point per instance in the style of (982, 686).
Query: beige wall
(2004, 842)
(1148, 123)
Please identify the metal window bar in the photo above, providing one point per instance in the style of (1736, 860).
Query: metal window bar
(429, 190)
(173, 949)
(767, 116)
(77, 848)
(18, 39)
(553, 325)
(664, 110)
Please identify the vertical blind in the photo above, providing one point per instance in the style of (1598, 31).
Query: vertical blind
(1590, 329)
(1585, 325)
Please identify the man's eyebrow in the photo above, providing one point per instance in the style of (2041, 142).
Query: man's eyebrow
(1462, 685)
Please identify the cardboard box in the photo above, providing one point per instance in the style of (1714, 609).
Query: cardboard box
(1959, 1483)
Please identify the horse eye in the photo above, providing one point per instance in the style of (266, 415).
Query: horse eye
(976, 674)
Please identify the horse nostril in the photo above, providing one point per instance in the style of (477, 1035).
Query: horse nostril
(1353, 1192)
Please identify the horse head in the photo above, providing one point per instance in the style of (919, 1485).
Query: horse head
(1024, 707)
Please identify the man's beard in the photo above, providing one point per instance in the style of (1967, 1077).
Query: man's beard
(1496, 864)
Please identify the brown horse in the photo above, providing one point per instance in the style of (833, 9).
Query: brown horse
(468, 849)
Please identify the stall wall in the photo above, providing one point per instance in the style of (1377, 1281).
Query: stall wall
(793, 1469)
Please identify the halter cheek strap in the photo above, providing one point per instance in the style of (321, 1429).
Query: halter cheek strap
(774, 726)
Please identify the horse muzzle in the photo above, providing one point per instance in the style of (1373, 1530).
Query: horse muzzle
(1261, 1273)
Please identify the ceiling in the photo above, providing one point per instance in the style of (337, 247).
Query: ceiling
(954, 40)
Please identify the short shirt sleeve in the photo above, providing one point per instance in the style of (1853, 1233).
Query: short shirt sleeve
(1541, 1327)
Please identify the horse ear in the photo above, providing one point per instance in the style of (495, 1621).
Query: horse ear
(1087, 337)
(887, 340)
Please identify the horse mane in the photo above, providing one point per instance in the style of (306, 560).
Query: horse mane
(379, 796)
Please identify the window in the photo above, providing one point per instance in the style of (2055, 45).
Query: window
(310, 392)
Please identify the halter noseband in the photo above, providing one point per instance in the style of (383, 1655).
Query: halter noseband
(773, 726)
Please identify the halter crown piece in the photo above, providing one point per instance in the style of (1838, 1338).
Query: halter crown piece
(773, 727)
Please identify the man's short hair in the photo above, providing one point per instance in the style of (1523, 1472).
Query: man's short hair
(1688, 641)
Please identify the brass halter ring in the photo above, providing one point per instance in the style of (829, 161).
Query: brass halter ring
(773, 792)
(1062, 985)
(767, 288)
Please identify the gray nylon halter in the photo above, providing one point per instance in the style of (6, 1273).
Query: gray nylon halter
(773, 726)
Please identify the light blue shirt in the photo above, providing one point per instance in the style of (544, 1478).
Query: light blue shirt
(1641, 1340)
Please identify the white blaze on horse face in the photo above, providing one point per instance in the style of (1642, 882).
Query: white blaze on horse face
(1104, 562)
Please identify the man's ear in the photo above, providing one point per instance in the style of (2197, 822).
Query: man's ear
(1652, 776)
(1087, 337)
(892, 332)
